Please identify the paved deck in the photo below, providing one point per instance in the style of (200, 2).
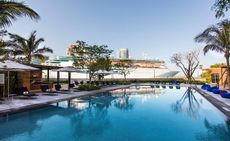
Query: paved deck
(223, 104)
(17, 104)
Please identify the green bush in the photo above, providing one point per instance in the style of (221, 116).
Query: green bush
(123, 82)
(88, 87)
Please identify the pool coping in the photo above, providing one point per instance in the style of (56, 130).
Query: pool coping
(223, 107)
(64, 97)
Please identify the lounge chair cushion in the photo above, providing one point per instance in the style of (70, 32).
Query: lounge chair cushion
(205, 86)
(225, 95)
(24, 91)
(212, 88)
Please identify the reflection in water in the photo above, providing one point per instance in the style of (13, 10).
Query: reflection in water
(187, 103)
(103, 117)
(123, 103)
(27, 123)
(216, 132)
(94, 120)
(90, 123)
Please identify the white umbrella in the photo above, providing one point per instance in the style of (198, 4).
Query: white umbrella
(104, 72)
(69, 70)
(13, 66)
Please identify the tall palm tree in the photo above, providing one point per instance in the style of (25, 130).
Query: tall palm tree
(217, 38)
(28, 48)
(11, 10)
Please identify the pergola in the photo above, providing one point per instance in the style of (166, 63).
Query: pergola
(48, 68)
(70, 70)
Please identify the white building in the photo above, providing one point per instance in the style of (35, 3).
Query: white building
(123, 53)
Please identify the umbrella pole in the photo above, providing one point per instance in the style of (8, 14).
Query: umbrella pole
(69, 79)
(8, 88)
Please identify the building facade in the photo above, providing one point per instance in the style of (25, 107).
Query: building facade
(123, 53)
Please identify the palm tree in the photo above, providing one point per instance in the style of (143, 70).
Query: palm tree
(217, 38)
(11, 10)
(28, 48)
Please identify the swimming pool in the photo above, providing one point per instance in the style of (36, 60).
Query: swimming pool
(134, 114)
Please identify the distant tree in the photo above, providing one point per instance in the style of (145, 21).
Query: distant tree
(103, 64)
(10, 10)
(91, 57)
(220, 7)
(206, 75)
(27, 49)
(124, 67)
(217, 39)
(187, 62)
(218, 65)
(187, 103)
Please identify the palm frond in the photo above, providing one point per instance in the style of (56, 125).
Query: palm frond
(212, 47)
(44, 50)
(207, 34)
(27, 47)
(11, 10)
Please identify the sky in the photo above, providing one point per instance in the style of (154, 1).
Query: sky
(155, 29)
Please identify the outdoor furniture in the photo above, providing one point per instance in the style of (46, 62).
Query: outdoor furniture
(212, 88)
(76, 83)
(47, 90)
(59, 88)
(205, 86)
(225, 95)
(218, 91)
(71, 85)
(170, 87)
(178, 87)
(163, 86)
(157, 86)
(24, 91)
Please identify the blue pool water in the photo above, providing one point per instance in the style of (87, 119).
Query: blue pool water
(135, 114)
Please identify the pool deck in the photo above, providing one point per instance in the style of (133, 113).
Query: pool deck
(17, 104)
(223, 104)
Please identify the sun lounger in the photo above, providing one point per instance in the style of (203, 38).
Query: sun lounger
(212, 88)
(59, 88)
(225, 95)
(163, 86)
(205, 86)
(71, 85)
(47, 91)
(24, 92)
(218, 91)
(170, 87)
(178, 87)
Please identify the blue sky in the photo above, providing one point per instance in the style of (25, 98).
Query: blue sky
(152, 28)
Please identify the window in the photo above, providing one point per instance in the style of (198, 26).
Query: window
(215, 78)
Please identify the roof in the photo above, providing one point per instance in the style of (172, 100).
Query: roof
(168, 74)
(44, 66)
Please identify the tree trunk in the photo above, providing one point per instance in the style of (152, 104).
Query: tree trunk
(228, 70)
(90, 77)
(125, 77)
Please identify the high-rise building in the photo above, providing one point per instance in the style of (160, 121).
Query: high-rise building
(123, 53)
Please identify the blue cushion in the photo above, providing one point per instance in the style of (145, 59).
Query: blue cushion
(225, 95)
(211, 88)
(205, 86)
(216, 91)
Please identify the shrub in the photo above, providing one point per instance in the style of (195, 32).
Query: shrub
(123, 83)
(88, 87)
